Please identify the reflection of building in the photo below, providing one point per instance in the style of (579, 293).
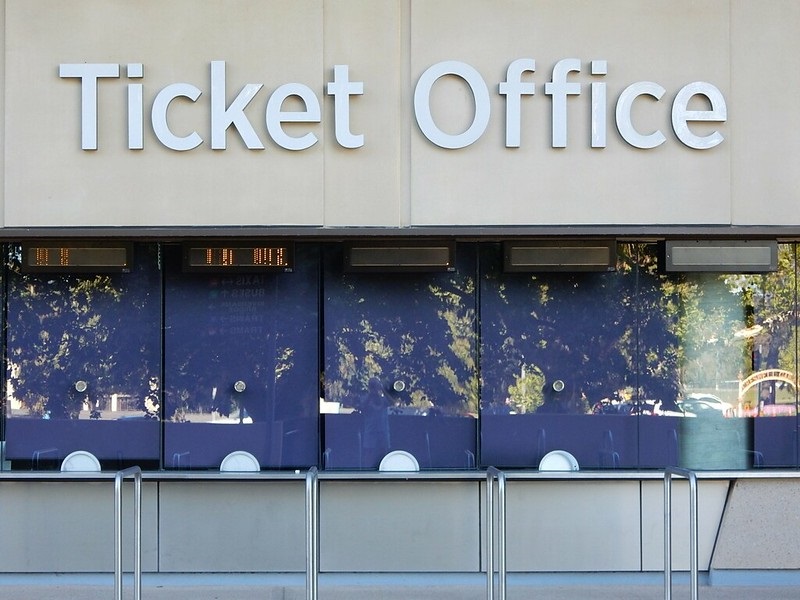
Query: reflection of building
(403, 201)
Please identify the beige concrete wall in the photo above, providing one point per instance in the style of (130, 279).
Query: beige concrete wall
(400, 526)
(368, 185)
(379, 526)
(2, 107)
(50, 180)
(573, 526)
(63, 527)
(396, 526)
(668, 43)
(237, 527)
(765, 187)
(399, 178)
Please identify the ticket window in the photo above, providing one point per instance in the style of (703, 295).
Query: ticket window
(241, 360)
(555, 364)
(84, 358)
(400, 374)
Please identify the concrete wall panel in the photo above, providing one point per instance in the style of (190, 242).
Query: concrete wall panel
(367, 185)
(764, 118)
(400, 526)
(60, 527)
(573, 526)
(232, 527)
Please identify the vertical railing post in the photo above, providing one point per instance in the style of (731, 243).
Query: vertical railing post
(491, 474)
(312, 534)
(136, 473)
(669, 472)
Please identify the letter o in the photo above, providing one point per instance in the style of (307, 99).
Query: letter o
(422, 108)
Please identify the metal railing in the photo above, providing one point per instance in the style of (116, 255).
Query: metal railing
(312, 534)
(669, 473)
(493, 473)
(136, 473)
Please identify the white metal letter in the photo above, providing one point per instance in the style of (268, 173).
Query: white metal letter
(681, 114)
(275, 116)
(624, 123)
(341, 88)
(422, 108)
(513, 88)
(159, 116)
(599, 67)
(135, 108)
(88, 74)
(559, 89)
(222, 117)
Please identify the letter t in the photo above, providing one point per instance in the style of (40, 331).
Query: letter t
(341, 88)
(88, 74)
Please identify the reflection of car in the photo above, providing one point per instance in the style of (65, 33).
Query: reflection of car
(671, 409)
(705, 408)
(644, 407)
(716, 402)
(608, 406)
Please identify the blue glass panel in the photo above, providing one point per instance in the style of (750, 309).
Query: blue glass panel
(84, 361)
(556, 371)
(400, 369)
(521, 441)
(242, 364)
(774, 442)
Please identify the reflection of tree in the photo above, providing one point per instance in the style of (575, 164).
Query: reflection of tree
(258, 328)
(686, 323)
(730, 325)
(418, 329)
(656, 305)
(99, 328)
(460, 373)
(540, 328)
(772, 298)
(525, 394)
(635, 332)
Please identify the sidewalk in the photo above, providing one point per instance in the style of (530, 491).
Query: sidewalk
(383, 593)
(51, 589)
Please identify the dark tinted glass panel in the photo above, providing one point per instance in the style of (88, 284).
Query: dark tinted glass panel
(84, 363)
(400, 369)
(556, 366)
(242, 364)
